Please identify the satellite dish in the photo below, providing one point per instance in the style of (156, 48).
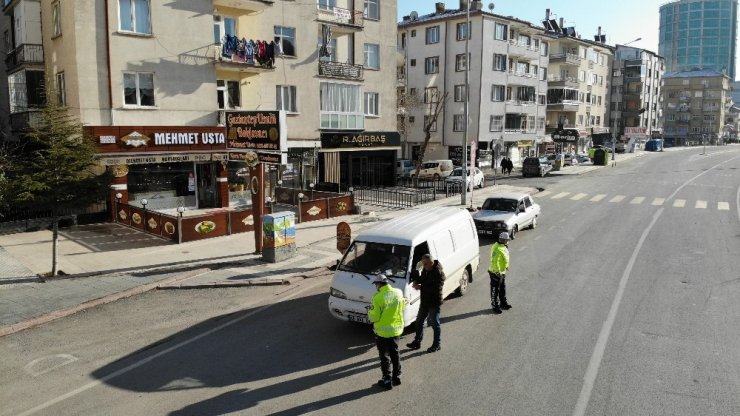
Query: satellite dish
(414, 15)
(491, 6)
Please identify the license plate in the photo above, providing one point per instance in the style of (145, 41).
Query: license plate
(358, 318)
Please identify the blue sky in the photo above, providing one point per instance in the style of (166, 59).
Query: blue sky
(621, 21)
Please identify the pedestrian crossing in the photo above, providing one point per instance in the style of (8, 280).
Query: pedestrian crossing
(635, 200)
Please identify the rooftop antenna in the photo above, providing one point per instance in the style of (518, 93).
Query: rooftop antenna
(491, 6)
(414, 15)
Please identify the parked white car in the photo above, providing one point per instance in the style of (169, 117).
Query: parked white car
(510, 212)
(477, 178)
(435, 169)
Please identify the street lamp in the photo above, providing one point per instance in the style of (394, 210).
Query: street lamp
(300, 209)
(180, 211)
(144, 203)
(115, 208)
(118, 197)
(464, 162)
(632, 41)
(311, 185)
(268, 201)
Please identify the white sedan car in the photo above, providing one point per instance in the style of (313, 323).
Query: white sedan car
(510, 212)
(477, 179)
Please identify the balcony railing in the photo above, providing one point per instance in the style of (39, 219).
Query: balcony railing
(24, 54)
(531, 48)
(340, 70)
(521, 73)
(568, 58)
(25, 120)
(341, 16)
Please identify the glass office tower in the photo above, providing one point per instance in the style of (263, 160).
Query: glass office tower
(699, 34)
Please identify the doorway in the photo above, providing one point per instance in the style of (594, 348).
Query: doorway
(207, 190)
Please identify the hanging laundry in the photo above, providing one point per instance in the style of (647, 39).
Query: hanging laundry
(271, 54)
(249, 52)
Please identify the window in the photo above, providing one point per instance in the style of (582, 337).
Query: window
(497, 93)
(432, 35)
(460, 62)
(133, 16)
(327, 4)
(433, 127)
(223, 26)
(56, 19)
(372, 10)
(372, 56)
(285, 98)
(543, 48)
(542, 99)
(138, 89)
(413, 33)
(229, 96)
(431, 95)
(431, 65)
(341, 106)
(496, 124)
(598, 121)
(462, 31)
(501, 31)
(413, 62)
(540, 123)
(458, 122)
(285, 37)
(61, 89)
(499, 62)
(372, 104)
(543, 74)
(459, 93)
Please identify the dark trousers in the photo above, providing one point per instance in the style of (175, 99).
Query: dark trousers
(388, 351)
(498, 289)
(433, 313)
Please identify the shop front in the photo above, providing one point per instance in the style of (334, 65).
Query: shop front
(565, 139)
(358, 159)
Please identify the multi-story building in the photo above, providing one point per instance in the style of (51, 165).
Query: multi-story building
(635, 109)
(578, 88)
(694, 106)
(140, 67)
(507, 71)
(699, 34)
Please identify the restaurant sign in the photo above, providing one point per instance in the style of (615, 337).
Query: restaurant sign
(367, 140)
(257, 130)
(565, 135)
(137, 139)
(152, 159)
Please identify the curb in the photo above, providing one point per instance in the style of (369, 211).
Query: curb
(52, 316)
(216, 285)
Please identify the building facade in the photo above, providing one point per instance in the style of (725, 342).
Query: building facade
(695, 106)
(635, 108)
(507, 71)
(699, 34)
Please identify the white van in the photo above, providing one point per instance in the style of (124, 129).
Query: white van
(435, 169)
(393, 248)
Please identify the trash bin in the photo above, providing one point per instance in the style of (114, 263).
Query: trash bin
(601, 157)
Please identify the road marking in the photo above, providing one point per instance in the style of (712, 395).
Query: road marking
(592, 371)
(48, 364)
(561, 195)
(542, 194)
(658, 202)
(598, 198)
(637, 200)
(700, 204)
(723, 206)
(538, 237)
(152, 357)
(552, 227)
(618, 198)
(522, 248)
(679, 203)
(737, 203)
(578, 197)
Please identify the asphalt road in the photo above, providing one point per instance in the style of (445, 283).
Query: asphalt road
(625, 303)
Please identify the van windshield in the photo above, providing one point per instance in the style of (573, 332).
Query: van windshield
(373, 258)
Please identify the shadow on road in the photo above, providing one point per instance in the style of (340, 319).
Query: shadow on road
(270, 348)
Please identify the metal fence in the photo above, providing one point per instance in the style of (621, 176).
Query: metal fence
(403, 197)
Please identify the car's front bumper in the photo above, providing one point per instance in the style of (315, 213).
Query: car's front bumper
(490, 228)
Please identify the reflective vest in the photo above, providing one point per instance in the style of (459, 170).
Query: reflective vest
(386, 312)
(499, 258)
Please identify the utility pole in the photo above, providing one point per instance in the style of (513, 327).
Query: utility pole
(464, 193)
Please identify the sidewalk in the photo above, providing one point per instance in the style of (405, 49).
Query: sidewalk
(589, 167)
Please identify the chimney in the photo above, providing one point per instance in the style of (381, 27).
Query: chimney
(463, 4)
(439, 7)
(562, 22)
(547, 14)
(406, 18)
(477, 5)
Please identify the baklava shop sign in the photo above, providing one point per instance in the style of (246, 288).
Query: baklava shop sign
(120, 139)
(257, 131)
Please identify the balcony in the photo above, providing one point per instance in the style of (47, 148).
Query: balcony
(236, 63)
(517, 49)
(566, 58)
(340, 70)
(25, 120)
(633, 75)
(560, 81)
(248, 5)
(25, 54)
(566, 106)
(343, 20)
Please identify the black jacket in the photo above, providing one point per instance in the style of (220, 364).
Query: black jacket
(432, 283)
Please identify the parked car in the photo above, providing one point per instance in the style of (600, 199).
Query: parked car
(620, 148)
(569, 159)
(404, 168)
(536, 166)
(508, 212)
(477, 179)
(583, 158)
(435, 169)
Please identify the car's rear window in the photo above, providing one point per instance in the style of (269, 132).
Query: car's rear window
(531, 161)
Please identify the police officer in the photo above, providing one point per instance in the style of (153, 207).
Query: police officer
(497, 272)
(386, 314)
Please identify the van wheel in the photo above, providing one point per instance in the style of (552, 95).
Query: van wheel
(464, 281)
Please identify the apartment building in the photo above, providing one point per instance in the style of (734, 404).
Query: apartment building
(507, 71)
(635, 108)
(137, 70)
(578, 88)
(695, 105)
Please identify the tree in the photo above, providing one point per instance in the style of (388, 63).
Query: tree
(436, 105)
(56, 171)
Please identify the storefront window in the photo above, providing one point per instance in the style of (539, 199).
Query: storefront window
(164, 185)
(239, 193)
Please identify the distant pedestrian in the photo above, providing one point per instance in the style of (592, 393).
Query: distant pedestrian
(503, 166)
(497, 272)
(431, 282)
(386, 314)
(509, 166)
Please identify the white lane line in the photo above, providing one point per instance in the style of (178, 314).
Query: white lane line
(658, 202)
(561, 195)
(522, 248)
(552, 227)
(700, 204)
(618, 198)
(152, 357)
(737, 203)
(723, 206)
(637, 200)
(578, 197)
(679, 203)
(598, 198)
(542, 194)
(538, 237)
(592, 371)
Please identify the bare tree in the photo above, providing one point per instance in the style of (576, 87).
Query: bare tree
(435, 106)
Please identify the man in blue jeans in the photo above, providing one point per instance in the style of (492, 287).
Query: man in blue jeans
(430, 282)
